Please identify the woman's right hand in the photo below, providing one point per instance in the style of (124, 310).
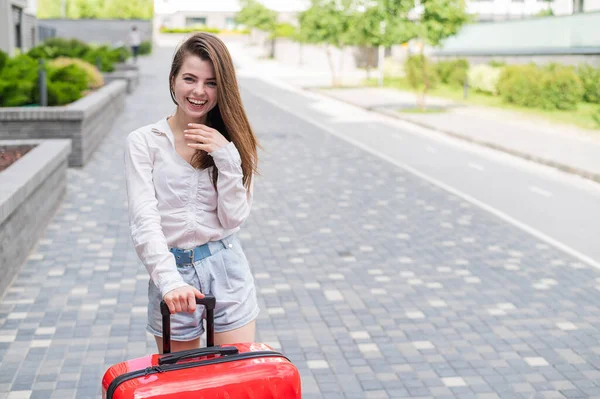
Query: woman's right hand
(182, 299)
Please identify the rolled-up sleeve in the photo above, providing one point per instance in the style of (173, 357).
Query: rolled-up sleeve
(144, 220)
(233, 199)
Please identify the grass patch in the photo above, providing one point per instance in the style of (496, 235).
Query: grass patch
(581, 117)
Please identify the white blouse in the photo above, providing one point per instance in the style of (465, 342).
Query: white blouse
(173, 205)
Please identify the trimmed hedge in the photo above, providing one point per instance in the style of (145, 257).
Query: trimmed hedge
(590, 78)
(552, 87)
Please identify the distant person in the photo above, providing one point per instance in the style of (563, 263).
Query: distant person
(134, 41)
(190, 187)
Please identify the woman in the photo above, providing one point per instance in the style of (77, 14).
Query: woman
(190, 187)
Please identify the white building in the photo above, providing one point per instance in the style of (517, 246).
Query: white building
(220, 14)
(216, 14)
(17, 26)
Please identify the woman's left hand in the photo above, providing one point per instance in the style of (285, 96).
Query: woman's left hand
(206, 138)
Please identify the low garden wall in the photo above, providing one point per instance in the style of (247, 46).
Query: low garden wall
(131, 76)
(32, 189)
(86, 121)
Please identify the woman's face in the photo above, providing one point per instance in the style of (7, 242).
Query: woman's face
(195, 87)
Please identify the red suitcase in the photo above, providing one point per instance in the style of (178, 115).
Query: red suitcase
(238, 371)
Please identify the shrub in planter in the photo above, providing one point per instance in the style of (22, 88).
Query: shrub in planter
(145, 48)
(522, 85)
(562, 88)
(3, 59)
(484, 78)
(95, 79)
(453, 72)
(590, 78)
(18, 81)
(66, 84)
(59, 47)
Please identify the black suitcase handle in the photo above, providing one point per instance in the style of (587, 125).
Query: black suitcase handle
(213, 350)
(209, 302)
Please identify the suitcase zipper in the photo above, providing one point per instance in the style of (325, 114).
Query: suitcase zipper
(173, 367)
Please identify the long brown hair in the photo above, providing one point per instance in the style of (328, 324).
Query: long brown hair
(228, 116)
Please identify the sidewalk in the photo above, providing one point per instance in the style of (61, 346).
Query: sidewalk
(564, 147)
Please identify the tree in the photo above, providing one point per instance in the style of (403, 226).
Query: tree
(437, 20)
(327, 22)
(254, 15)
(109, 9)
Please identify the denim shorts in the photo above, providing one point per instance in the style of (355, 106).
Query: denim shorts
(225, 274)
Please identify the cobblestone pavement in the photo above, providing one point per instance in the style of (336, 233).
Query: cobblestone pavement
(374, 282)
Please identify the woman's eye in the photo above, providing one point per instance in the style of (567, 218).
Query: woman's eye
(212, 84)
(188, 79)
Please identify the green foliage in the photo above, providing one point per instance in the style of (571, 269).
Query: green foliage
(596, 117)
(145, 47)
(285, 30)
(255, 15)
(562, 88)
(495, 63)
(190, 29)
(484, 78)
(3, 59)
(590, 78)
(94, 78)
(522, 85)
(18, 81)
(441, 19)
(453, 72)
(420, 73)
(325, 22)
(552, 87)
(104, 56)
(545, 13)
(97, 9)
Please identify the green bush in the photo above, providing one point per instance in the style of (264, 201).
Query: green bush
(562, 88)
(590, 78)
(420, 73)
(3, 59)
(145, 48)
(484, 78)
(18, 81)
(453, 72)
(552, 87)
(95, 79)
(73, 48)
(522, 85)
(497, 64)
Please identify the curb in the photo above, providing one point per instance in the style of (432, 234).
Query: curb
(595, 177)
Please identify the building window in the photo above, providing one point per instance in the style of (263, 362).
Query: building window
(195, 21)
(17, 18)
(230, 23)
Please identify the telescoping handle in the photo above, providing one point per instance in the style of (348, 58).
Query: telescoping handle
(209, 302)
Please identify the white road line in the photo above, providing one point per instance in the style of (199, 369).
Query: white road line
(476, 166)
(528, 229)
(539, 191)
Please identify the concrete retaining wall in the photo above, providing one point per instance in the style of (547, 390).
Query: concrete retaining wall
(32, 189)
